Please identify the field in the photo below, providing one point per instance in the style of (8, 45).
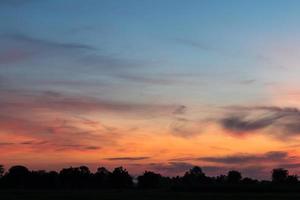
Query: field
(136, 195)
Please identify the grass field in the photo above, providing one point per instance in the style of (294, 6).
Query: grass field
(135, 195)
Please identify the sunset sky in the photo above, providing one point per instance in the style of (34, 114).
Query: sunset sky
(156, 85)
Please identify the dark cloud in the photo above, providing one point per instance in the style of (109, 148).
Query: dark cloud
(283, 122)
(239, 123)
(127, 158)
(272, 156)
(33, 142)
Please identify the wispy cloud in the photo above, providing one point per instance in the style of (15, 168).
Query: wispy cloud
(128, 158)
(195, 44)
(18, 47)
(185, 128)
(23, 100)
(26, 39)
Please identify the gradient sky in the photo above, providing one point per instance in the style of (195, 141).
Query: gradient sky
(157, 85)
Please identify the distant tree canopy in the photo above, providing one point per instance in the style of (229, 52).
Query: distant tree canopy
(194, 179)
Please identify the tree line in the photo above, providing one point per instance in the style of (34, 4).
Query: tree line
(20, 177)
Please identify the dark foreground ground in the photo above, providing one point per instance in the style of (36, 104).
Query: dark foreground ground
(137, 195)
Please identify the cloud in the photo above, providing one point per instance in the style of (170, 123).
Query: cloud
(78, 147)
(18, 47)
(183, 127)
(62, 119)
(180, 110)
(33, 142)
(25, 39)
(23, 100)
(58, 133)
(290, 165)
(5, 144)
(171, 168)
(272, 156)
(195, 44)
(238, 123)
(146, 79)
(283, 122)
(247, 81)
(127, 158)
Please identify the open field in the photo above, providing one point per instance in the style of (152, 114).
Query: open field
(138, 195)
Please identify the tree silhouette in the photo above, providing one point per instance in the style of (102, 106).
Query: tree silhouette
(43, 179)
(1, 171)
(234, 177)
(249, 181)
(120, 178)
(77, 177)
(221, 179)
(195, 172)
(279, 175)
(149, 180)
(101, 178)
(194, 177)
(292, 179)
(18, 176)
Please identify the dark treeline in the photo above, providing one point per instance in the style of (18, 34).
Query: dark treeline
(19, 177)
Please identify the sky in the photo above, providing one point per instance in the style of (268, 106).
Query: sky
(151, 85)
